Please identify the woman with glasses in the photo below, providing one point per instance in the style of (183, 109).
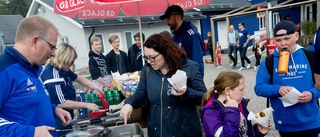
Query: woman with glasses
(173, 109)
(57, 78)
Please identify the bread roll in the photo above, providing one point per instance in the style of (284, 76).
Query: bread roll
(261, 114)
(257, 115)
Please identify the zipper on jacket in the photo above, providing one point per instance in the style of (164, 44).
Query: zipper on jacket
(161, 106)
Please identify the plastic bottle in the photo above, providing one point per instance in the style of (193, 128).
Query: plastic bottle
(83, 112)
(284, 61)
(91, 96)
(110, 97)
(116, 96)
(105, 92)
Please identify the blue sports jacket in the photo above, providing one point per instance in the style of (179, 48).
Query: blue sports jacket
(24, 102)
(188, 38)
(301, 116)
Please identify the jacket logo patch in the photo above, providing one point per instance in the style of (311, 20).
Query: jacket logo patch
(29, 82)
(31, 89)
(190, 31)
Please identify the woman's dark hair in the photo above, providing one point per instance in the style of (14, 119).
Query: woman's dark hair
(171, 52)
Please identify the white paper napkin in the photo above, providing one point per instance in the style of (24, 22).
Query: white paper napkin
(179, 78)
(263, 121)
(291, 98)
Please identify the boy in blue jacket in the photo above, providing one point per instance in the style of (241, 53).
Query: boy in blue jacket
(303, 118)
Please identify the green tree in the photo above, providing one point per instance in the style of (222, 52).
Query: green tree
(15, 7)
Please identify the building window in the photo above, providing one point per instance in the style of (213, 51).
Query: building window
(275, 18)
(308, 13)
(65, 39)
(262, 23)
(129, 39)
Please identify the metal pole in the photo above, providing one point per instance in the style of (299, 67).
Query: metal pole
(140, 31)
(213, 42)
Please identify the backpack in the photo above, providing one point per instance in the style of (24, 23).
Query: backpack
(269, 66)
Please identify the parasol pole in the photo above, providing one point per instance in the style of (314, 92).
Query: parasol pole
(140, 31)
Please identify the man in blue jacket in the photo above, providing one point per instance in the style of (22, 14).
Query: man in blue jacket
(302, 118)
(25, 108)
(185, 34)
(316, 65)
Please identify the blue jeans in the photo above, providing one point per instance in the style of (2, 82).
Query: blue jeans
(243, 55)
(233, 49)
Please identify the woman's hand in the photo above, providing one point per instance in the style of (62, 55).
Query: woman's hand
(92, 106)
(177, 90)
(97, 89)
(126, 111)
(264, 130)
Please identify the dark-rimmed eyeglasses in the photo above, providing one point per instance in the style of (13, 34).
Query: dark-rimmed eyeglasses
(53, 48)
(151, 59)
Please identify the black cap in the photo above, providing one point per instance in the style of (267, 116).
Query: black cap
(172, 10)
(286, 25)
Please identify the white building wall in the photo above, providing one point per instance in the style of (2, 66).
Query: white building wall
(73, 32)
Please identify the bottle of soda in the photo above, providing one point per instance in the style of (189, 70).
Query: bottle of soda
(91, 96)
(83, 112)
(116, 96)
(110, 97)
(105, 92)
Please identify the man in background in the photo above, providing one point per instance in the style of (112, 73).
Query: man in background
(244, 38)
(185, 34)
(233, 41)
(97, 64)
(135, 54)
(316, 59)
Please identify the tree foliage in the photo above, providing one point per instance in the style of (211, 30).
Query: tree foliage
(14, 7)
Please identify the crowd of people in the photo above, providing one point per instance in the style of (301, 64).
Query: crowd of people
(38, 96)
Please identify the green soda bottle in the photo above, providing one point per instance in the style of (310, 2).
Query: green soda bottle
(110, 97)
(116, 96)
(91, 96)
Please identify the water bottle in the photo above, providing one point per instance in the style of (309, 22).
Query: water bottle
(116, 96)
(110, 97)
(83, 112)
(284, 61)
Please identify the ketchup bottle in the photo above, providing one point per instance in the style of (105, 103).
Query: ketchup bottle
(284, 61)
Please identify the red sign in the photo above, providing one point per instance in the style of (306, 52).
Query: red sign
(114, 1)
(189, 4)
(69, 5)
